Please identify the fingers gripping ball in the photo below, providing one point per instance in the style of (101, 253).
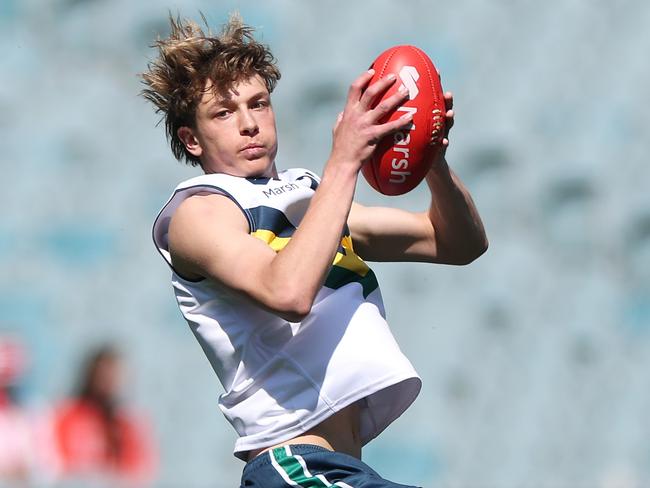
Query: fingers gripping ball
(402, 159)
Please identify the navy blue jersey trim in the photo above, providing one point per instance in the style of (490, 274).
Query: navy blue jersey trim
(313, 183)
(272, 219)
(260, 180)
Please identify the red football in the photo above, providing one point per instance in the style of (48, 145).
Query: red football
(403, 159)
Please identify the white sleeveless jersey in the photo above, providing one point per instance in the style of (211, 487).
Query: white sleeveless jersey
(283, 378)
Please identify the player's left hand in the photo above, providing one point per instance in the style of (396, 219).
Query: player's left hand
(442, 140)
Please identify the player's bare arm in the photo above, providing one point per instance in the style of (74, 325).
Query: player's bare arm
(449, 232)
(228, 254)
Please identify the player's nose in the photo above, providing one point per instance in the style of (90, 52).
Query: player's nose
(247, 123)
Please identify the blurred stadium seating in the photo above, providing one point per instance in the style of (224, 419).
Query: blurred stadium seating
(534, 358)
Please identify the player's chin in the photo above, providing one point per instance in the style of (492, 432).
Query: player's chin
(258, 167)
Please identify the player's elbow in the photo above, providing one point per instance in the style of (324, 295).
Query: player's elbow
(471, 251)
(294, 317)
(294, 306)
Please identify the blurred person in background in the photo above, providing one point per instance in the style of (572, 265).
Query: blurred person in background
(97, 439)
(263, 264)
(18, 428)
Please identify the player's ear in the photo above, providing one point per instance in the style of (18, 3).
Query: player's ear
(187, 137)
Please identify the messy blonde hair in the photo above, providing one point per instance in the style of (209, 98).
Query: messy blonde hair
(188, 58)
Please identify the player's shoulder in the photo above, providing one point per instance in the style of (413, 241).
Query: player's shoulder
(207, 196)
(202, 223)
(205, 206)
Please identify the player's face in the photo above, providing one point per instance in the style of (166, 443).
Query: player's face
(235, 132)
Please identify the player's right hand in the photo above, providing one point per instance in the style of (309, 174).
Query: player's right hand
(359, 128)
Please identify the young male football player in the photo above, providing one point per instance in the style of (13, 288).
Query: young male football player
(269, 267)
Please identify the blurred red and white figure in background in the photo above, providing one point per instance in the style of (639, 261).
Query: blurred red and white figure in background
(96, 437)
(18, 437)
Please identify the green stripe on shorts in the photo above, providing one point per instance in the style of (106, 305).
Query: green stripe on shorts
(294, 470)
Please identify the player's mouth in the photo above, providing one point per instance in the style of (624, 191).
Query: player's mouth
(253, 151)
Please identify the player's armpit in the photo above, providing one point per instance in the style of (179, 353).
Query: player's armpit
(209, 238)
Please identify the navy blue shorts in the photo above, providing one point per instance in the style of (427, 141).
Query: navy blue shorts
(308, 466)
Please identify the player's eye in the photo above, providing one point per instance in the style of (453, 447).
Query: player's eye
(221, 114)
(260, 104)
